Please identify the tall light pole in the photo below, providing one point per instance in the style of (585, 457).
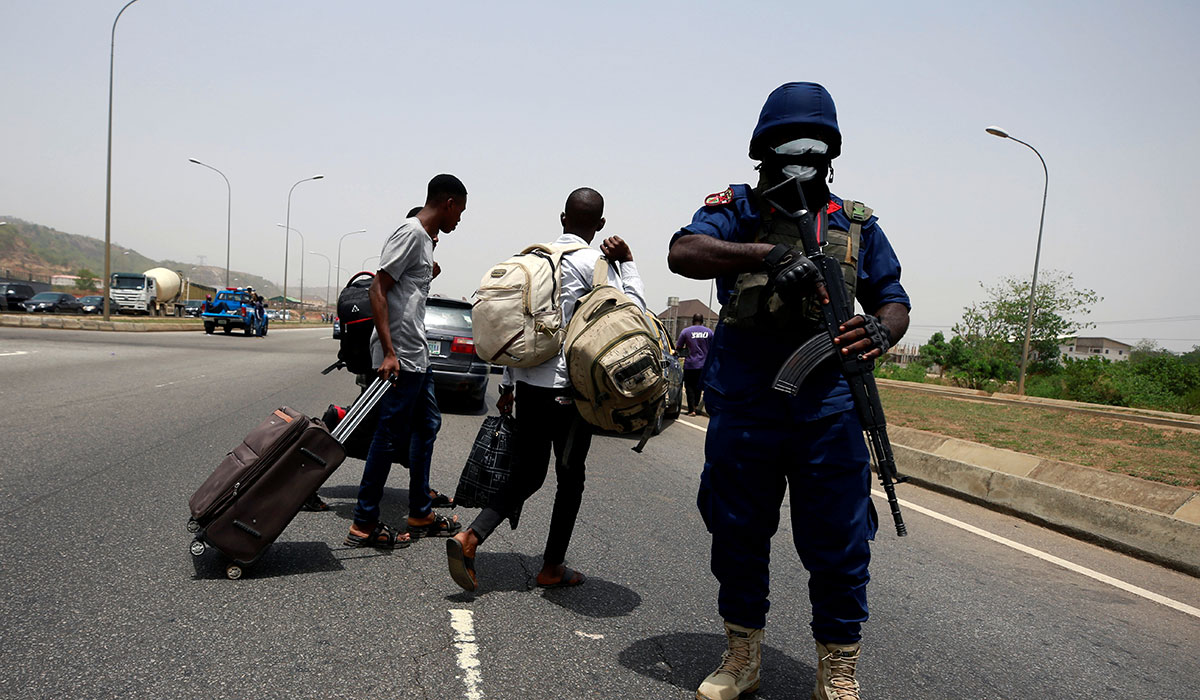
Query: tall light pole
(108, 176)
(997, 131)
(328, 270)
(286, 238)
(302, 247)
(364, 263)
(339, 262)
(228, 211)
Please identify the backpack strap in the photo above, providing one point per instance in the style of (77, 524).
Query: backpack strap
(600, 274)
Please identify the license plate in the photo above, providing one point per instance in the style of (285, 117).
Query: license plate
(435, 347)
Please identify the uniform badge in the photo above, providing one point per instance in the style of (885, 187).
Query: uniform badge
(718, 198)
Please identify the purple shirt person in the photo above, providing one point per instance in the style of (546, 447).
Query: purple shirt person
(694, 339)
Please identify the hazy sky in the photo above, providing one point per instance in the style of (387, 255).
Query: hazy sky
(651, 103)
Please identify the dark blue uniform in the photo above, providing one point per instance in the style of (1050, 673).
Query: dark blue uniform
(761, 441)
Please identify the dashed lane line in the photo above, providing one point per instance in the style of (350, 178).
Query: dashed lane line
(1044, 556)
(468, 651)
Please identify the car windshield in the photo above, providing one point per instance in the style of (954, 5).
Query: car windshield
(91, 300)
(451, 318)
(46, 296)
(128, 281)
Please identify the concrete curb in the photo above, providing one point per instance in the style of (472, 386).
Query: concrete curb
(78, 323)
(1155, 521)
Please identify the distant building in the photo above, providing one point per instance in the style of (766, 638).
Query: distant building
(70, 281)
(905, 354)
(678, 315)
(1079, 348)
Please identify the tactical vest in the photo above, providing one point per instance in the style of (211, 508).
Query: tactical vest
(754, 305)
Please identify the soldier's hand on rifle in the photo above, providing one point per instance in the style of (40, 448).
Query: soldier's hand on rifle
(864, 335)
(616, 249)
(793, 275)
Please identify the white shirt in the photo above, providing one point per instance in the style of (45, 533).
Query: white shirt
(577, 270)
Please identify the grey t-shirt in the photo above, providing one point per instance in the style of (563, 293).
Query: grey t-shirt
(408, 258)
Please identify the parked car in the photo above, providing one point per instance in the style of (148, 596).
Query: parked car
(53, 302)
(12, 294)
(94, 304)
(337, 328)
(673, 368)
(457, 369)
(191, 307)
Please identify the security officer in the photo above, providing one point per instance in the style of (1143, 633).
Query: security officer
(761, 441)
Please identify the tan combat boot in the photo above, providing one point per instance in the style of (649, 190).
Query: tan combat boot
(835, 672)
(738, 672)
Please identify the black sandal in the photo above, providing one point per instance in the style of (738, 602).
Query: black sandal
(462, 567)
(440, 526)
(381, 537)
(441, 500)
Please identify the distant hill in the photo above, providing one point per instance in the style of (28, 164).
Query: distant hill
(31, 249)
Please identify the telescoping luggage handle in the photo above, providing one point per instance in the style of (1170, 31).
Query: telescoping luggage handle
(360, 409)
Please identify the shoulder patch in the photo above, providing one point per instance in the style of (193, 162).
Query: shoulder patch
(718, 198)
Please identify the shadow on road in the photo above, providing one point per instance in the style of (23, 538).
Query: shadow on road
(393, 506)
(684, 659)
(280, 559)
(512, 571)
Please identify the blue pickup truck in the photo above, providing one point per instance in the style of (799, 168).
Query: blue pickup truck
(233, 308)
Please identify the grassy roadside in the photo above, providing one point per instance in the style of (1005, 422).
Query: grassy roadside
(1167, 455)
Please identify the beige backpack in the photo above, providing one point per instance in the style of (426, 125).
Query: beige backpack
(517, 316)
(614, 361)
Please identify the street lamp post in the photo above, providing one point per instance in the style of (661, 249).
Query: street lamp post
(997, 131)
(288, 225)
(302, 247)
(228, 212)
(339, 260)
(328, 271)
(364, 262)
(108, 175)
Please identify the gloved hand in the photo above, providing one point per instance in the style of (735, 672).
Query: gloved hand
(792, 274)
(863, 335)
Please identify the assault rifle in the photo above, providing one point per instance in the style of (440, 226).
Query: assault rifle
(788, 201)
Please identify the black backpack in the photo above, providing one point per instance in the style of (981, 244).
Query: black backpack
(357, 322)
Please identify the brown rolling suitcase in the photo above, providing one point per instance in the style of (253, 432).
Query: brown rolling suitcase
(262, 483)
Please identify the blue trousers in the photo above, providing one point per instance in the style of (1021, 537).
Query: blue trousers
(409, 420)
(825, 467)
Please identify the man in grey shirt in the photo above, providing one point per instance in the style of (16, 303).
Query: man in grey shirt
(400, 353)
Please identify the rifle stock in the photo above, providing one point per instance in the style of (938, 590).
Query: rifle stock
(816, 350)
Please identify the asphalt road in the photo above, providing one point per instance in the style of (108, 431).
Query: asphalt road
(106, 435)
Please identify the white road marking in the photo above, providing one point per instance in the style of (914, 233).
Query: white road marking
(178, 381)
(468, 660)
(1069, 566)
(13, 353)
(585, 635)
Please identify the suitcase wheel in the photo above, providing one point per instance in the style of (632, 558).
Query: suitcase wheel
(197, 548)
(193, 526)
(233, 572)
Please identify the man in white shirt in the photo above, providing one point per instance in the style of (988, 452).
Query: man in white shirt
(400, 352)
(546, 413)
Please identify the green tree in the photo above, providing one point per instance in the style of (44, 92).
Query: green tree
(87, 279)
(995, 328)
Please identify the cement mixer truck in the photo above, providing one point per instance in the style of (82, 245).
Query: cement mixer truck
(157, 292)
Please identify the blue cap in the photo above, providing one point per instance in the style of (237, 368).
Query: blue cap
(805, 109)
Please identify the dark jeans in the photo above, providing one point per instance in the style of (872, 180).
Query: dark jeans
(408, 416)
(544, 419)
(824, 466)
(691, 383)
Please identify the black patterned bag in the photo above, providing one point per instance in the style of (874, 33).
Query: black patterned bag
(489, 466)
